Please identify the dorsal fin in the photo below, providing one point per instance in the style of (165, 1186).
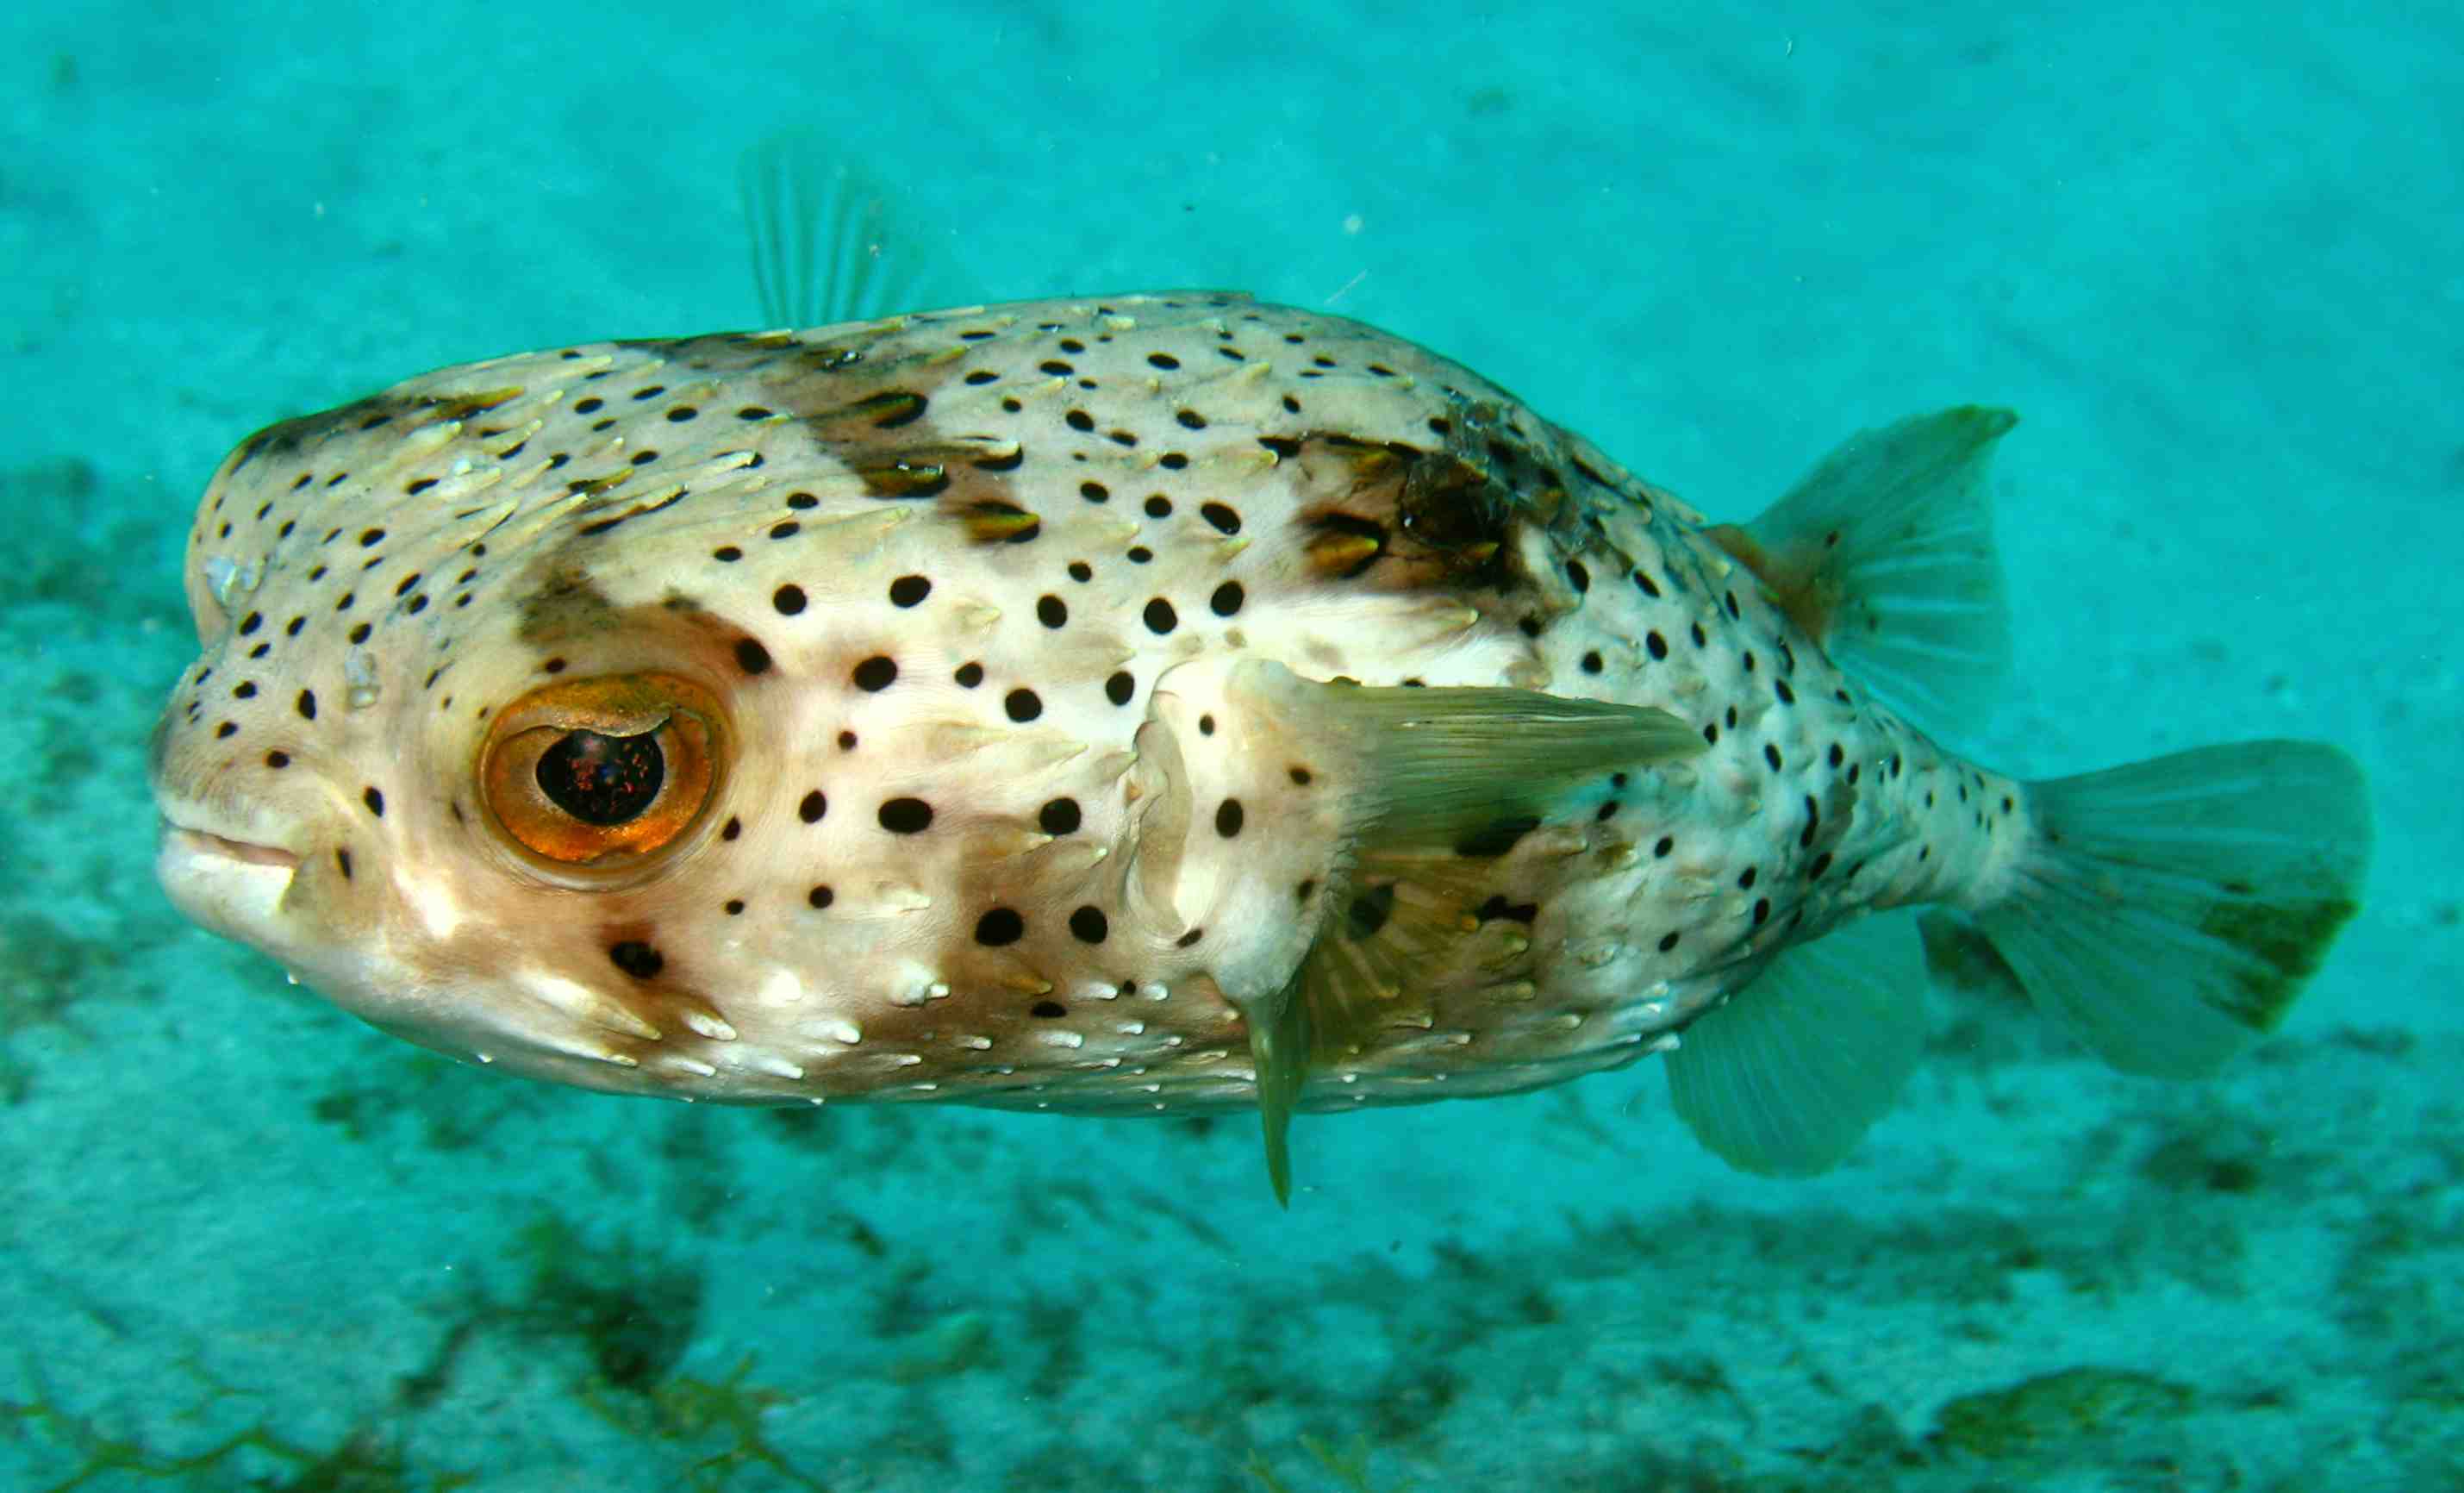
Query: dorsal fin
(1883, 553)
(827, 244)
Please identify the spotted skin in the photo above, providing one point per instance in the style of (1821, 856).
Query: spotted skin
(992, 817)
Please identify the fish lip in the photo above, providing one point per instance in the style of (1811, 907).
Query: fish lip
(206, 844)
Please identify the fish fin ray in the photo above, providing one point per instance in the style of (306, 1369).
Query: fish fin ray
(1432, 765)
(1960, 959)
(1786, 1077)
(828, 243)
(1279, 1047)
(1885, 554)
(2168, 913)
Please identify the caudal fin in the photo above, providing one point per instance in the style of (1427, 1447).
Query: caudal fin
(2169, 912)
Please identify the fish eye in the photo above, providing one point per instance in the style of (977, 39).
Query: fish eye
(602, 780)
(586, 770)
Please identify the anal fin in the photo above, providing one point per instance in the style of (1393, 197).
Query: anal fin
(1787, 1076)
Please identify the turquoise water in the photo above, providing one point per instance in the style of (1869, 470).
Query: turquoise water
(2216, 259)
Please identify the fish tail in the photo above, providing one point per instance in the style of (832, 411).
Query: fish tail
(2167, 913)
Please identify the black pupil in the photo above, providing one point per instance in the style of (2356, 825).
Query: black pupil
(603, 779)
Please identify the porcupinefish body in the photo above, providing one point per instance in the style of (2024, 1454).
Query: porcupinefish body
(1162, 703)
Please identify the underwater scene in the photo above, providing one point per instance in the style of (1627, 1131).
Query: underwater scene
(739, 726)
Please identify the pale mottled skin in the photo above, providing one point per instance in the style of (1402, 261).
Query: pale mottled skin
(1366, 478)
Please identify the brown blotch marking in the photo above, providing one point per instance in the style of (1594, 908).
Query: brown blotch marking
(1799, 580)
(559, 600)
(289, 437)
(1444, 514)
(564, 609)
(995, 523)
(866, 399)
(1345, 545)
(903, 475)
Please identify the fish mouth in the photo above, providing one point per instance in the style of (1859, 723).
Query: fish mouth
(232, 886)
(207, 845)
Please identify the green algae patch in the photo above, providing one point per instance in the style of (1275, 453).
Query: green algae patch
(2053, 1413)
(1347, 1467)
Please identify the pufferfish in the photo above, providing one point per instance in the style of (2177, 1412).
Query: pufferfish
(1162, 704)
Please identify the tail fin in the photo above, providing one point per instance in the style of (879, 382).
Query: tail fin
(2169, 912)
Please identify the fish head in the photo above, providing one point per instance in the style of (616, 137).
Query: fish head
(511, 795)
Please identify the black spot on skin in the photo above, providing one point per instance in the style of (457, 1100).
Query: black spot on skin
(1160, 618)
(307, 704)
(343, 862)
(1498, 907)
(821, 897)
(636, 958)
(1497, 838)
(1048, 1009)
(1060, 817)
(1666, 844)
(734, 907)
(909, 590)
(1221, 516)
(752, 657)
(1227, 599)
(374, 800)
(1369, 911)
(789, 600)
(1051, 611)
(1119, 687)
(1189, 939)
(875, 674)
(814, 806)
(1667, 942)
(906, 816)
(1000, 928)
(1227, 818)
(1023, 705)
(1089, 925)
(968, 675)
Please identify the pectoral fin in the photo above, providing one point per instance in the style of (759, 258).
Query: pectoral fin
(1426, 770)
